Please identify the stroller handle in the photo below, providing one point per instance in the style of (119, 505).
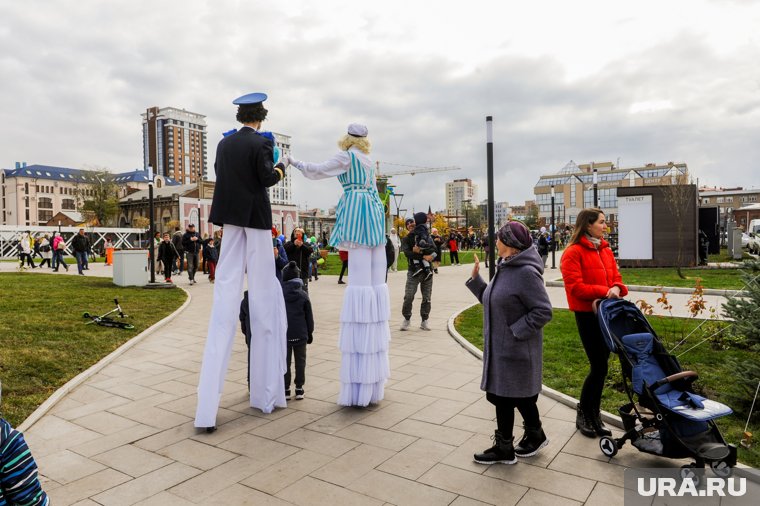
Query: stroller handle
(595, 305)
(675, 377)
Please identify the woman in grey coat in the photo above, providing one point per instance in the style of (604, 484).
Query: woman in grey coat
(515, 309)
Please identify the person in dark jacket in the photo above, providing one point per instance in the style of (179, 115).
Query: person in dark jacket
(409, 248)
(543, 245)
(167, 253)
(343, 255)
(515, 309)
(300, 326)
(245, 168)
(211, 258)
(179, 248)
(192, 244)
(299, 251)
(280, 256)
(80, 244)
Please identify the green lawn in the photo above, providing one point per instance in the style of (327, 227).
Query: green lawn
(44, 341)
(722, 279)
(332, 264)
(566, 365)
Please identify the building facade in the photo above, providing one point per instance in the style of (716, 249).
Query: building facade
(33, 194)
(175, 144)
(729, 202)
(459, 193)
(574, 187)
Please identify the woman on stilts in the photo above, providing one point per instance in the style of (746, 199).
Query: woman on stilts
(359, 228)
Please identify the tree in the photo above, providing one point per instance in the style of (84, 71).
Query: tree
(678, 195)
(99, 199)
(531, 219)
(744, 309)
(141, 222)
(441, 224)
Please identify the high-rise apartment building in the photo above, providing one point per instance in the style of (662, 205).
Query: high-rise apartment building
(282, 192)
(459, 191)
(174, 143)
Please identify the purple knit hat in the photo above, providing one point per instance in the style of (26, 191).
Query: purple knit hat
(515, 234)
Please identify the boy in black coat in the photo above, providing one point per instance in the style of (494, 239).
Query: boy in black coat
(167, 254)
(300, 325)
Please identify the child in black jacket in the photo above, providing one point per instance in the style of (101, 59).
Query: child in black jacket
(300, 326)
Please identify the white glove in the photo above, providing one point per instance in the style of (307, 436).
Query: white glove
(284, 160)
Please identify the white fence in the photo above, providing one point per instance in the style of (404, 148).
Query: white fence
(122, 238)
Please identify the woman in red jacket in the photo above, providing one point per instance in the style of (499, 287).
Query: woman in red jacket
(590, 272)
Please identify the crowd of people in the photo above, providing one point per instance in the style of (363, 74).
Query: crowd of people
(50, 250)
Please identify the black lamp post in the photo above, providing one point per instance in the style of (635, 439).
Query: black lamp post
(489, 169)
(595, 203)
(397, 199)
(551, 231)
(152, 233)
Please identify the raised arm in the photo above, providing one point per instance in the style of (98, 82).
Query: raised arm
(335, 166)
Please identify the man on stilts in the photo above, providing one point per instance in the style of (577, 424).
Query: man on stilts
(244, 170)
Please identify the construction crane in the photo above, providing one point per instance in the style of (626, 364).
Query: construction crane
(411, 170)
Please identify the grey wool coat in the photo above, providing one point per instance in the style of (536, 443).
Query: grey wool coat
(515, 309)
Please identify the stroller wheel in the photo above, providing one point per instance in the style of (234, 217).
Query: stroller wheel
(691, 472)
(608, 446)
(721, 469)
(85, 315)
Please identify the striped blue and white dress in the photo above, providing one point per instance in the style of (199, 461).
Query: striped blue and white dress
(19, 479)
(359, 228)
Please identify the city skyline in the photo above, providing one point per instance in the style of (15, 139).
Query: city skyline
(588, 81)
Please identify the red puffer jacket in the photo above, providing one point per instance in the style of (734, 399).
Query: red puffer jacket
(589, 273)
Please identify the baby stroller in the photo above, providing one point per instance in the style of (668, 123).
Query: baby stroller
(669, 419)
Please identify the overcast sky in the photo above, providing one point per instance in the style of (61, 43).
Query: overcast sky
(648, 81)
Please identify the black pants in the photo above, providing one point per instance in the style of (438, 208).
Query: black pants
(299, 352)
(598, 357)
(43, 262)
(343, 270)
(28, 258)
(454, 255)
(192, 264)
(505, 412)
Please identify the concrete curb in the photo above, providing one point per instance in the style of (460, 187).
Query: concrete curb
(95, 368)
(669, 289)
(548, 392)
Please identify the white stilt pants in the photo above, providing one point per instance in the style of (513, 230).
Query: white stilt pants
(364, 332)
(245, 249)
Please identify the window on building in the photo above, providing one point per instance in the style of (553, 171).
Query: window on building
(572, 194)
(44, 215)
(26, 189)
(45, 203)
(68, 204)
(721, 200)
(27, 216)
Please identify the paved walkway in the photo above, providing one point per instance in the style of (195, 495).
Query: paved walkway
(126, 435)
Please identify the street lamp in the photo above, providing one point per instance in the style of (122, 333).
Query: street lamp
(551, 231)
(596, 197)
(152, 233)
(467, 217)
(397, 199)
(489, 172)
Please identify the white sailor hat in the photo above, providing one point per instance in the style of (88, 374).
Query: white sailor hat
(357, 130)
(251, 98)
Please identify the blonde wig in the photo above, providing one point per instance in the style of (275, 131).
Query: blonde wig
(362, 143)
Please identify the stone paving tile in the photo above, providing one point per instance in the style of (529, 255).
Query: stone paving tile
(352, 465)
(86, 487)
(466, 501)
(588, 468)
(440, 433)
(312, 492)
(67, 466)
(461, 457)
(584, 447)
(89, 408)
(318, 442)
(258, 448)
(288, 423)
(164, 499)
(228, 430)
(208, 484)
(390, 414)
(376, 437)
(315, 406)
(546, 480)
(131, 460)
(167, 437)
(470, 423)
(276, 477)
(197, 454)
(239, 495)
(338, 420)
(399, 491)
(147, 485)
(473, 485)
(104, 422)
(416, 459)
(538, 498)
(604, 495)
(439, 411)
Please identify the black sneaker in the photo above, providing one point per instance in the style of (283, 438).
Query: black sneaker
(584, 423)
(299, 393)
(531, 443)
(288, 395)
(502, 452)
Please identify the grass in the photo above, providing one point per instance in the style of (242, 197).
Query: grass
(565, 365)
(44, 341)
(333, 264)
(722, 279)
(723, 256)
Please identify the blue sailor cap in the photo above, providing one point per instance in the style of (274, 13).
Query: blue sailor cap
(251, 98)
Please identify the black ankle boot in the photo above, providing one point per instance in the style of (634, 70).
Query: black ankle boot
(583, 422)
(532, 441)
(599, 427)
(502, 451)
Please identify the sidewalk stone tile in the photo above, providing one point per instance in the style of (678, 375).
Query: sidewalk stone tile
(147, 485)
(315, 406)
(439, 411)
(588, 468)
(416, 459)
(86, 487)
(132, 460)
(439, 433)
(466, 501)
(391, 414)
(475, 486)
(258, 448)
(66, 466)
(197, 454)
(164, 499)
(159, 418)
(462, 456)
(93, 407)
(104, 422)
(132, 391)
(376, 437)
(481, 409)
(312, 492)
(550, 481)
(278, 428)
(208, 484)
(459, 379)
(604, 495)
(239, 495)
(471, 424)
(537, 498)
(228, 430)
(286, 472)
(352, 465)
(400, 491)
(334, 422)
(318, 442)
(167, 437)
(584, 447)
